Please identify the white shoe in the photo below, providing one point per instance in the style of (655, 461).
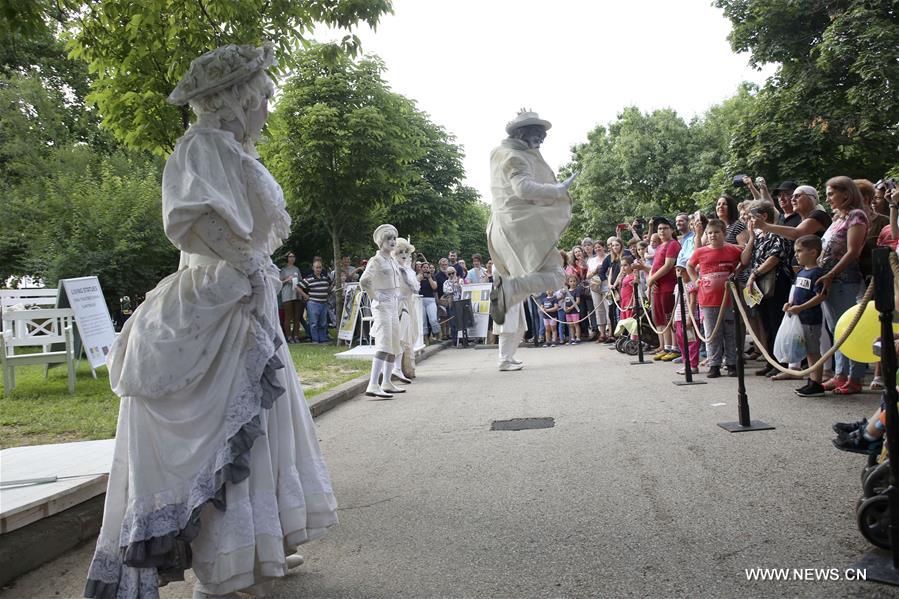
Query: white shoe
(398, 375)
(509, 366)
(376, 392)
(389, 387)
(294, 561)
(514, 361)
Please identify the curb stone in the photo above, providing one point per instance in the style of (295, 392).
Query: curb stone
(350, 389)
(32, 546)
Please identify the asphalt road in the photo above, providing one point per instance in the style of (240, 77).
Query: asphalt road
(635, 492)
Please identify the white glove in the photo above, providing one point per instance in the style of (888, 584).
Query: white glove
(258, 297)
(567, 182)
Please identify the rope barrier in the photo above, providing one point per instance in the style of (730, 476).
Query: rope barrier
(718, 322)
(650, 323)
(869, 293)
(589, 314)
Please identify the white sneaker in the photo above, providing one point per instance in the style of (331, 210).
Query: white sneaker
(294, 561)
(514, 361)
(509, 366)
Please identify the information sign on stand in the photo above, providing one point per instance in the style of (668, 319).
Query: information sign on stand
(94, 332)
(352, 297)
(479, 296)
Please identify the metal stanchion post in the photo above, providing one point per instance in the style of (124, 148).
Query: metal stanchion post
(744, 424)
(878, 566)
(639, 314)
(685, 354)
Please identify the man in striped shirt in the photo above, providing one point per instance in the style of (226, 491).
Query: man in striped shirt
(315, 288)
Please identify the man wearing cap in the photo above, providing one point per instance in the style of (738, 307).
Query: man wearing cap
(530, 210)
(784, 194)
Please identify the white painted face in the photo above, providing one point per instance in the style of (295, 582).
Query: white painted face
(388, 242)
(403, 256)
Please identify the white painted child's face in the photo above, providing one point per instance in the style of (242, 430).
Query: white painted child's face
(388, 242)
(403, 256)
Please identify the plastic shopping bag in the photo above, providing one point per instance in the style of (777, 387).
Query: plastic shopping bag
(789, 345)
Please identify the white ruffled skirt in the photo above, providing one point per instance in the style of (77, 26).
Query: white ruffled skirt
(217, 465)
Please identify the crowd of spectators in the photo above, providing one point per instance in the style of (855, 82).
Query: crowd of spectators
(307, 303)
(795, 257)
(786, 249)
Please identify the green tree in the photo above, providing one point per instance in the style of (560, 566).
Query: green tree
(831, 108)
(97, 215)
(137, 51)
(641, 164)
(341, 145)
(434, 200)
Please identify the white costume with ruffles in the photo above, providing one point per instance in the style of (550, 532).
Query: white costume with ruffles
(410, 317)
(215, 445)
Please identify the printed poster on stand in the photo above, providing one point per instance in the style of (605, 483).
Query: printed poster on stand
(92, 320)
(479, 296)
(352, 299)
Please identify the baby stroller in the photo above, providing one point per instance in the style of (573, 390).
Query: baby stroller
(872, 511)
(627, 329)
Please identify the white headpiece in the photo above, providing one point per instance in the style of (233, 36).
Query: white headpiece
(221, 68)
(381, 231)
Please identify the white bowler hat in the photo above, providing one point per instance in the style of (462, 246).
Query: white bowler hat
(525, 118)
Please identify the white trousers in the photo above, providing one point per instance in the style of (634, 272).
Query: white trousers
(508, 344)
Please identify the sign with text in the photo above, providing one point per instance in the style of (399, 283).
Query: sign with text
(479, 296)
(352, 299)
(95, 329)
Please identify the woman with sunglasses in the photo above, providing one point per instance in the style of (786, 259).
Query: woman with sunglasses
(814, 220)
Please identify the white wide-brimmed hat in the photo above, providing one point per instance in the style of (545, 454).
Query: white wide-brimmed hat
(525, 118)
(221, 68)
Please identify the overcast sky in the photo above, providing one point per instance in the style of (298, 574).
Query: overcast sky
(472, 64)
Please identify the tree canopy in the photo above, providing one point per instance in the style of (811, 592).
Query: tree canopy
(832, 106)
(350, 153)
(137, 51)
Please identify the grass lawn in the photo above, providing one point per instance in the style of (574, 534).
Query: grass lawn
(41, 410)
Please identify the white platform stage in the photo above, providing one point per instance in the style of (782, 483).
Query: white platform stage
(80, 471)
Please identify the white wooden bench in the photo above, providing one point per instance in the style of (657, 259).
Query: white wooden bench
(43, 297)
(42, 328)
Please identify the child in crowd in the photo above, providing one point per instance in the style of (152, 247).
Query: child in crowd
(562, 326)
(710, 267)
(628, 276)
(655, 240)
(692, 349)
(805, 302)
(550, 308)
(571, 302)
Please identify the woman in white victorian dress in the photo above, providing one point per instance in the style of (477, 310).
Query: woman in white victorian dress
(216, 466)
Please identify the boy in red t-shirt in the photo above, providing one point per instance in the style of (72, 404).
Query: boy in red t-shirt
(710, 267)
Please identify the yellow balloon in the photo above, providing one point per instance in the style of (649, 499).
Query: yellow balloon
(858, 346)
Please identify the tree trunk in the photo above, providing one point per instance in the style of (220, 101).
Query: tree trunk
(338, 271)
